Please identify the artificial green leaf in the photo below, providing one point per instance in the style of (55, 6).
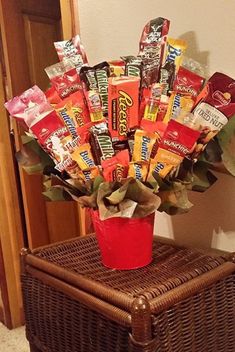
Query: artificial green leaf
(55, 194)
(202, 177)
(175, 201)
(226, 139)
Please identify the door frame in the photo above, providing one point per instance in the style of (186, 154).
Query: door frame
(11, 222)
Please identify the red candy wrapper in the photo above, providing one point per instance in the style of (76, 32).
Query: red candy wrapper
(52, 96)
(214, 106)
(152, 45)
(64, 78)
(46, 128)
(123, 103)
(179, 139)
(30, 106)
(187, 82)
(79, 107)
(116, 168)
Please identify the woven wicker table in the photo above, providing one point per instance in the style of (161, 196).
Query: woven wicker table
(183, 301)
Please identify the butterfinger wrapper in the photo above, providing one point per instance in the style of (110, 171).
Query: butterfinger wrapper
(139, 171)
(178, 106)
(163, 163)
(82, 155)
(67, 115)
(143, 144)
(175, 49)
(90, 174)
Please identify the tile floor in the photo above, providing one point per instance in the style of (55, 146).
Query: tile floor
(13, 340)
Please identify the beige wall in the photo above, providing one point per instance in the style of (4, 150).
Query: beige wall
(110, 28)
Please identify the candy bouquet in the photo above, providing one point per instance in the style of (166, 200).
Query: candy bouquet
(130, 136)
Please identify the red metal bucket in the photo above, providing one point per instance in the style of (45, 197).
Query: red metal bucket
(124, 243)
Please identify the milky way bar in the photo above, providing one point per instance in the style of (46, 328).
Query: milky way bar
(123, 99)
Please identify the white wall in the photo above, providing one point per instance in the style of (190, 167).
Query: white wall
(110, 28)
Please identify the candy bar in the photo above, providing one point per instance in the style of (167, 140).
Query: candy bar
(116, 168)
(72, 49)
(187, 82)
(94, 106)
(67, 115)
(152, 44)
(123, 97)
(101, 143)
(82, 155)
(64, 78)
(175, 49)
(143, 144)
(30, 106)
(139, 171)
(178, 105)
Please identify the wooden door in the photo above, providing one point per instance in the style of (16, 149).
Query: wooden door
(29, 29)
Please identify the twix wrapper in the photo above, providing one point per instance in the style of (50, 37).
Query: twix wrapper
(123, 99)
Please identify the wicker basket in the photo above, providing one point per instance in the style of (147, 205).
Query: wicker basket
(183, 301)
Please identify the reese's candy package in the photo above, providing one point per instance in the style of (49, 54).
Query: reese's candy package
(175, 49)
(82, 155)
(123, 102)
(78, 105)
(214, 106)
(94, 106)
(67, 115)
(29, 107)
(143, 144)
(178, 105)
(64, 78)
(152, 45)
(72, 48)
(139, 170)
(101, 143)
(116, 168)
(188, 83)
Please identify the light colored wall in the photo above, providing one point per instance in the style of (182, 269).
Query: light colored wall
(110, 28)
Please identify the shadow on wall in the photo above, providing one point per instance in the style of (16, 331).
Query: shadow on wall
(194, 52)
(211, 221)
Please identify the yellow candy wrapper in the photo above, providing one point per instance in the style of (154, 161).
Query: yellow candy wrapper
(139, 171)
(143, 145)
(67, 115)
(163, 163)
(82, 155)
(175, 49)
(179, 106)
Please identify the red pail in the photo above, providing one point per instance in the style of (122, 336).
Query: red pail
(124, 243)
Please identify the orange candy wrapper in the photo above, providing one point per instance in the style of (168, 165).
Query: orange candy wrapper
(116, 168)
(123, 102)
